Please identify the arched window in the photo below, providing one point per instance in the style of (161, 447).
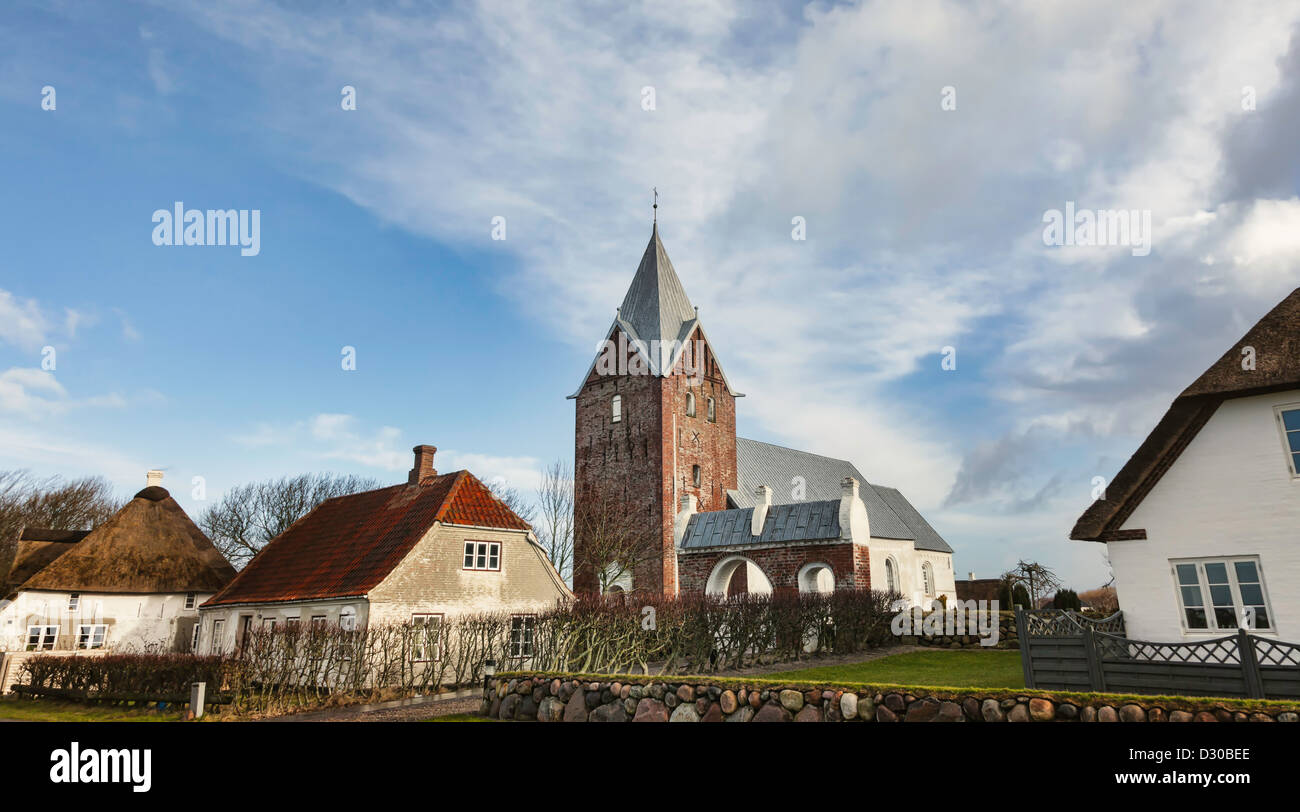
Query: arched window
(690, 404)
(891, 576)
(616, 409)
(927, 579)
(713, 411)
(695, 475)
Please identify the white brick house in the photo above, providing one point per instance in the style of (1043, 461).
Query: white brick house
(1202, 525)
(436, 546)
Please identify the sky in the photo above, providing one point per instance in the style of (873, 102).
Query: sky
(921, 144)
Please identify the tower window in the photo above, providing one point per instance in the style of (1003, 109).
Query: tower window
(690, 404)
(695, 475)
(616, 409)
(712, 411)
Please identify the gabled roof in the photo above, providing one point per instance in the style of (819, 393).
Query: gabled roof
(349, 544)
(656, 314)
(656, 306)
(149, 546)
(1275, 340)
(801, 521)
(889, 513)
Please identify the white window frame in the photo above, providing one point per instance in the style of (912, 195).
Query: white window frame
(616, 409)
(194, 639)
(488, 552)
(521, 648)
(74, 601)
(891, 575)
(348, 618)
(1212, 626)
(218, 644)
(48, 637)
(92, 635)
(1291, 463)
(690, 404)
(191, 598)
(418, 654)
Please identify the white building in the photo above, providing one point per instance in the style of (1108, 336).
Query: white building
(431, 548)
(135, 581)
(1202, 525)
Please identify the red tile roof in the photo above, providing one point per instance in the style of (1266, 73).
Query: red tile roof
(348, 544)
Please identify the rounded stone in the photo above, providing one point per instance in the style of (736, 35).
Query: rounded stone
(810, 713)
(1019, 713)
(773, 712)
(686, 693)
(791, 700)
(1041, 710)
(650, 710)
(743, 714)
(727, 701)
(991, 710)
(849, 705)
(1067, 711)
(1180, 716)
(1107, 714)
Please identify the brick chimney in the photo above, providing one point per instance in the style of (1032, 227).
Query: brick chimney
(153, 478)
(423, 464)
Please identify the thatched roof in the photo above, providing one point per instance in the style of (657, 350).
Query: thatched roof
(148, 546)
(1275, 342)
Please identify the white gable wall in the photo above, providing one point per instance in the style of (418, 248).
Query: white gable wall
(1230, 493)
(137, 621)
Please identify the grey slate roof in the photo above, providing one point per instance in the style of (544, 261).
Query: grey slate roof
(656, 305)
(888, 511)
(801, 521)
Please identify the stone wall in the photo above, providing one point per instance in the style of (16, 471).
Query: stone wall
(1007, 636)
(566, 698)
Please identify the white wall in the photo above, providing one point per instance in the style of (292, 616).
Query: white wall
(909, 561)
(1230, 493)
(136, 621)
(303, 611)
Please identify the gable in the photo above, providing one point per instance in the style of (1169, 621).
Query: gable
(349, 544)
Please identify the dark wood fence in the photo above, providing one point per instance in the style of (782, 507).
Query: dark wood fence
(1066, 651)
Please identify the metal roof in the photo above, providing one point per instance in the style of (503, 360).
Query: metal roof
(801, 521)
(888, 511)
(656, 304)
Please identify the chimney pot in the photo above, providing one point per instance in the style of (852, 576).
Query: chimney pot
(423, 464)
(153, 478)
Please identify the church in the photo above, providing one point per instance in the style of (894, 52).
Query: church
(720, 514)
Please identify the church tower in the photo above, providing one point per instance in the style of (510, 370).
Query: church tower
(656, 423)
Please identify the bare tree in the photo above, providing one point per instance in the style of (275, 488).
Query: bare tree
(514, 500)
(1037, 580)
(554, 526)
(617, 535)
(248, 516)
(77, 504)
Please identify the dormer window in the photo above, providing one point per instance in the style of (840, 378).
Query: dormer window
(690, 404)
(616, 409)
(74, 600)
(712, 411)
(1289, 418)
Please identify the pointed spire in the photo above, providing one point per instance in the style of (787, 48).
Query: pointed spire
(656, 305)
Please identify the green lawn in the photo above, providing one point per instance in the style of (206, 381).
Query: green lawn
(948, 668)
(53, 710)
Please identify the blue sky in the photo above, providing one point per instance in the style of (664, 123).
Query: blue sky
(924, 231)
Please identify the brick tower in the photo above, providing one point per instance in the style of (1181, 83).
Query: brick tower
(656, 419)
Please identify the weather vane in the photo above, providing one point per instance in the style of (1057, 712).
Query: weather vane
(655, 189)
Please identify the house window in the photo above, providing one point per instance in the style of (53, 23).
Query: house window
(712, 411)
(194, 638)
(41, 638)
(189, 600)
(927, 579)
(74, 600)
(616, 409)
(1289, 419)
(348, 618)
(428, 634)
(482, 555)
(319, 621)
(91, 636)
(218, 643)
(690, 404)
(695, 475)
(891, 579)
(521, 635)
(268, 624)
(1222, 594)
